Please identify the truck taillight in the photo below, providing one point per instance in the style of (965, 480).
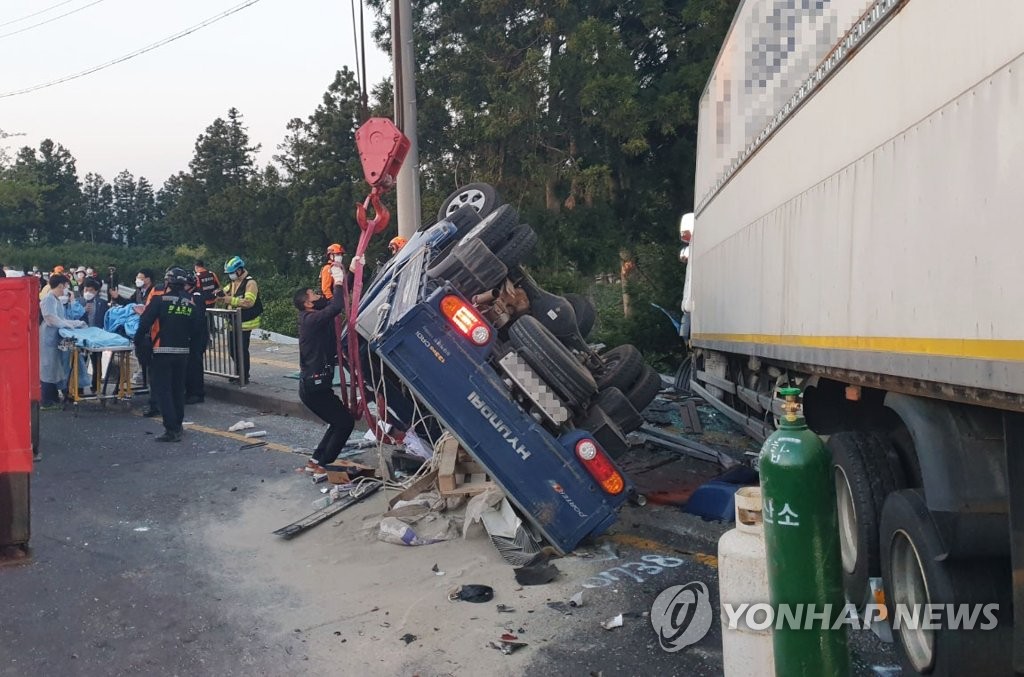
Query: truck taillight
(466, 320)
(599, 467)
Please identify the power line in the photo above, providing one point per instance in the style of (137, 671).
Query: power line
(132, 55)
(43, 23)
(29, 16)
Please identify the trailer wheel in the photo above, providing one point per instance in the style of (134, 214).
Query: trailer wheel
(552, 361)
(646, 388)
(619, 409)
(865, 470)
(914, 574)
(622, 366)
(519, 246)
(586, 314)
(482, 197)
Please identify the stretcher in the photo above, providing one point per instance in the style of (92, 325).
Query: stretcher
(113, 380)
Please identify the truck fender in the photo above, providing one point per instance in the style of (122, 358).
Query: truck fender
(963, 471)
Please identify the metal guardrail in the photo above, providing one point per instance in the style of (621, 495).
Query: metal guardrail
(225, 330)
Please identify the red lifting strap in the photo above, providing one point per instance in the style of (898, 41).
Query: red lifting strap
(382, 150)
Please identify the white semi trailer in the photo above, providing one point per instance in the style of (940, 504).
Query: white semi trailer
(859, 232)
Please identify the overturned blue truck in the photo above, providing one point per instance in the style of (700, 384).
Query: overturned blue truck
(456, 336)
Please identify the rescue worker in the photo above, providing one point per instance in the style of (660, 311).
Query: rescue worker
(335, 252)
(242, 292)
(171, 324)
(318, 355)
(53, 374)
(195, 386)
(207, 283)
(396, 244)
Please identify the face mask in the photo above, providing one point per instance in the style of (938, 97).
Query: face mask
(233, 276)
(89, 295)
(321, 303)
(80, 276)
(139, 282)
(66, 298)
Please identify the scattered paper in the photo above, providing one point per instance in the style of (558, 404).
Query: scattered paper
(577, 599)
(241, 425)
(259, 433)
(613, 623)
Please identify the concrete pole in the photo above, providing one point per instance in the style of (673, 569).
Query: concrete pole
(408, 189)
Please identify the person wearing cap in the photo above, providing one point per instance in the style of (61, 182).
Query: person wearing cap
(57, 270)
(242, 292)
(170, 325)
(77, 284)
(335, 252)
(396, 244)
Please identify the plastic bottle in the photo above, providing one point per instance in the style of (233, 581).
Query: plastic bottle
(743, 579)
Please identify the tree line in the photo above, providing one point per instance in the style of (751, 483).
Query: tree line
(582, 113)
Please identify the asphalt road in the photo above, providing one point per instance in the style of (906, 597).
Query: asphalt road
(157, 559)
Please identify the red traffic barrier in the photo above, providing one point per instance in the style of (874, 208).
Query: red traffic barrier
(19, 388)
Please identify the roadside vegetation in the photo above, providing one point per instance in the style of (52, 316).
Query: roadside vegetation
(582, 114)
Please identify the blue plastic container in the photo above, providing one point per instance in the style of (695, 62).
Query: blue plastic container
(716, 500)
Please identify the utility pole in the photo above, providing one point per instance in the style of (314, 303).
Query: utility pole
(408, 189)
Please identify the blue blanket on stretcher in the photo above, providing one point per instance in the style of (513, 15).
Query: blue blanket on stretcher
(95, 338)
(122, 316)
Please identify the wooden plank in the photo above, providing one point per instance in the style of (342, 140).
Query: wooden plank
(691, 407)
(424, 483)
(446, 466)
(469, 489)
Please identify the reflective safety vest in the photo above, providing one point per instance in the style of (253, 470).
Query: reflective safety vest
(250, 316)
(208, 285)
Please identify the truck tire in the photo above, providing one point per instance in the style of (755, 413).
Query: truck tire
(619, 409)
(646, 388)
(913, 573)
(519, 246)
(552, 361)
(586, 314)
(622, 366)
(471, 269)
(495, 229)
(482, 197)
(865, 469)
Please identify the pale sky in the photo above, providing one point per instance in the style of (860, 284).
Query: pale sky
(273, 61)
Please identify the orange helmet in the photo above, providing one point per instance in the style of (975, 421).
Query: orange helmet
(335, 249)
(396, 244)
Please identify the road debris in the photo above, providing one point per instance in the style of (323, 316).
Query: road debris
(472, 593)
(613, 623)
(503, 609)
(408, 638)
(540, 574)
(241, 425)
(576, 600)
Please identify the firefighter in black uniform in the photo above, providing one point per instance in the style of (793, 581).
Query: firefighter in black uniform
(195, 386)
(171, 323)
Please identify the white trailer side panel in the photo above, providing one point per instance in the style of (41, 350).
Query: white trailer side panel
(882, 227)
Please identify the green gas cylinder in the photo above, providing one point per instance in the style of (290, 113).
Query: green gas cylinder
(801, 531)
